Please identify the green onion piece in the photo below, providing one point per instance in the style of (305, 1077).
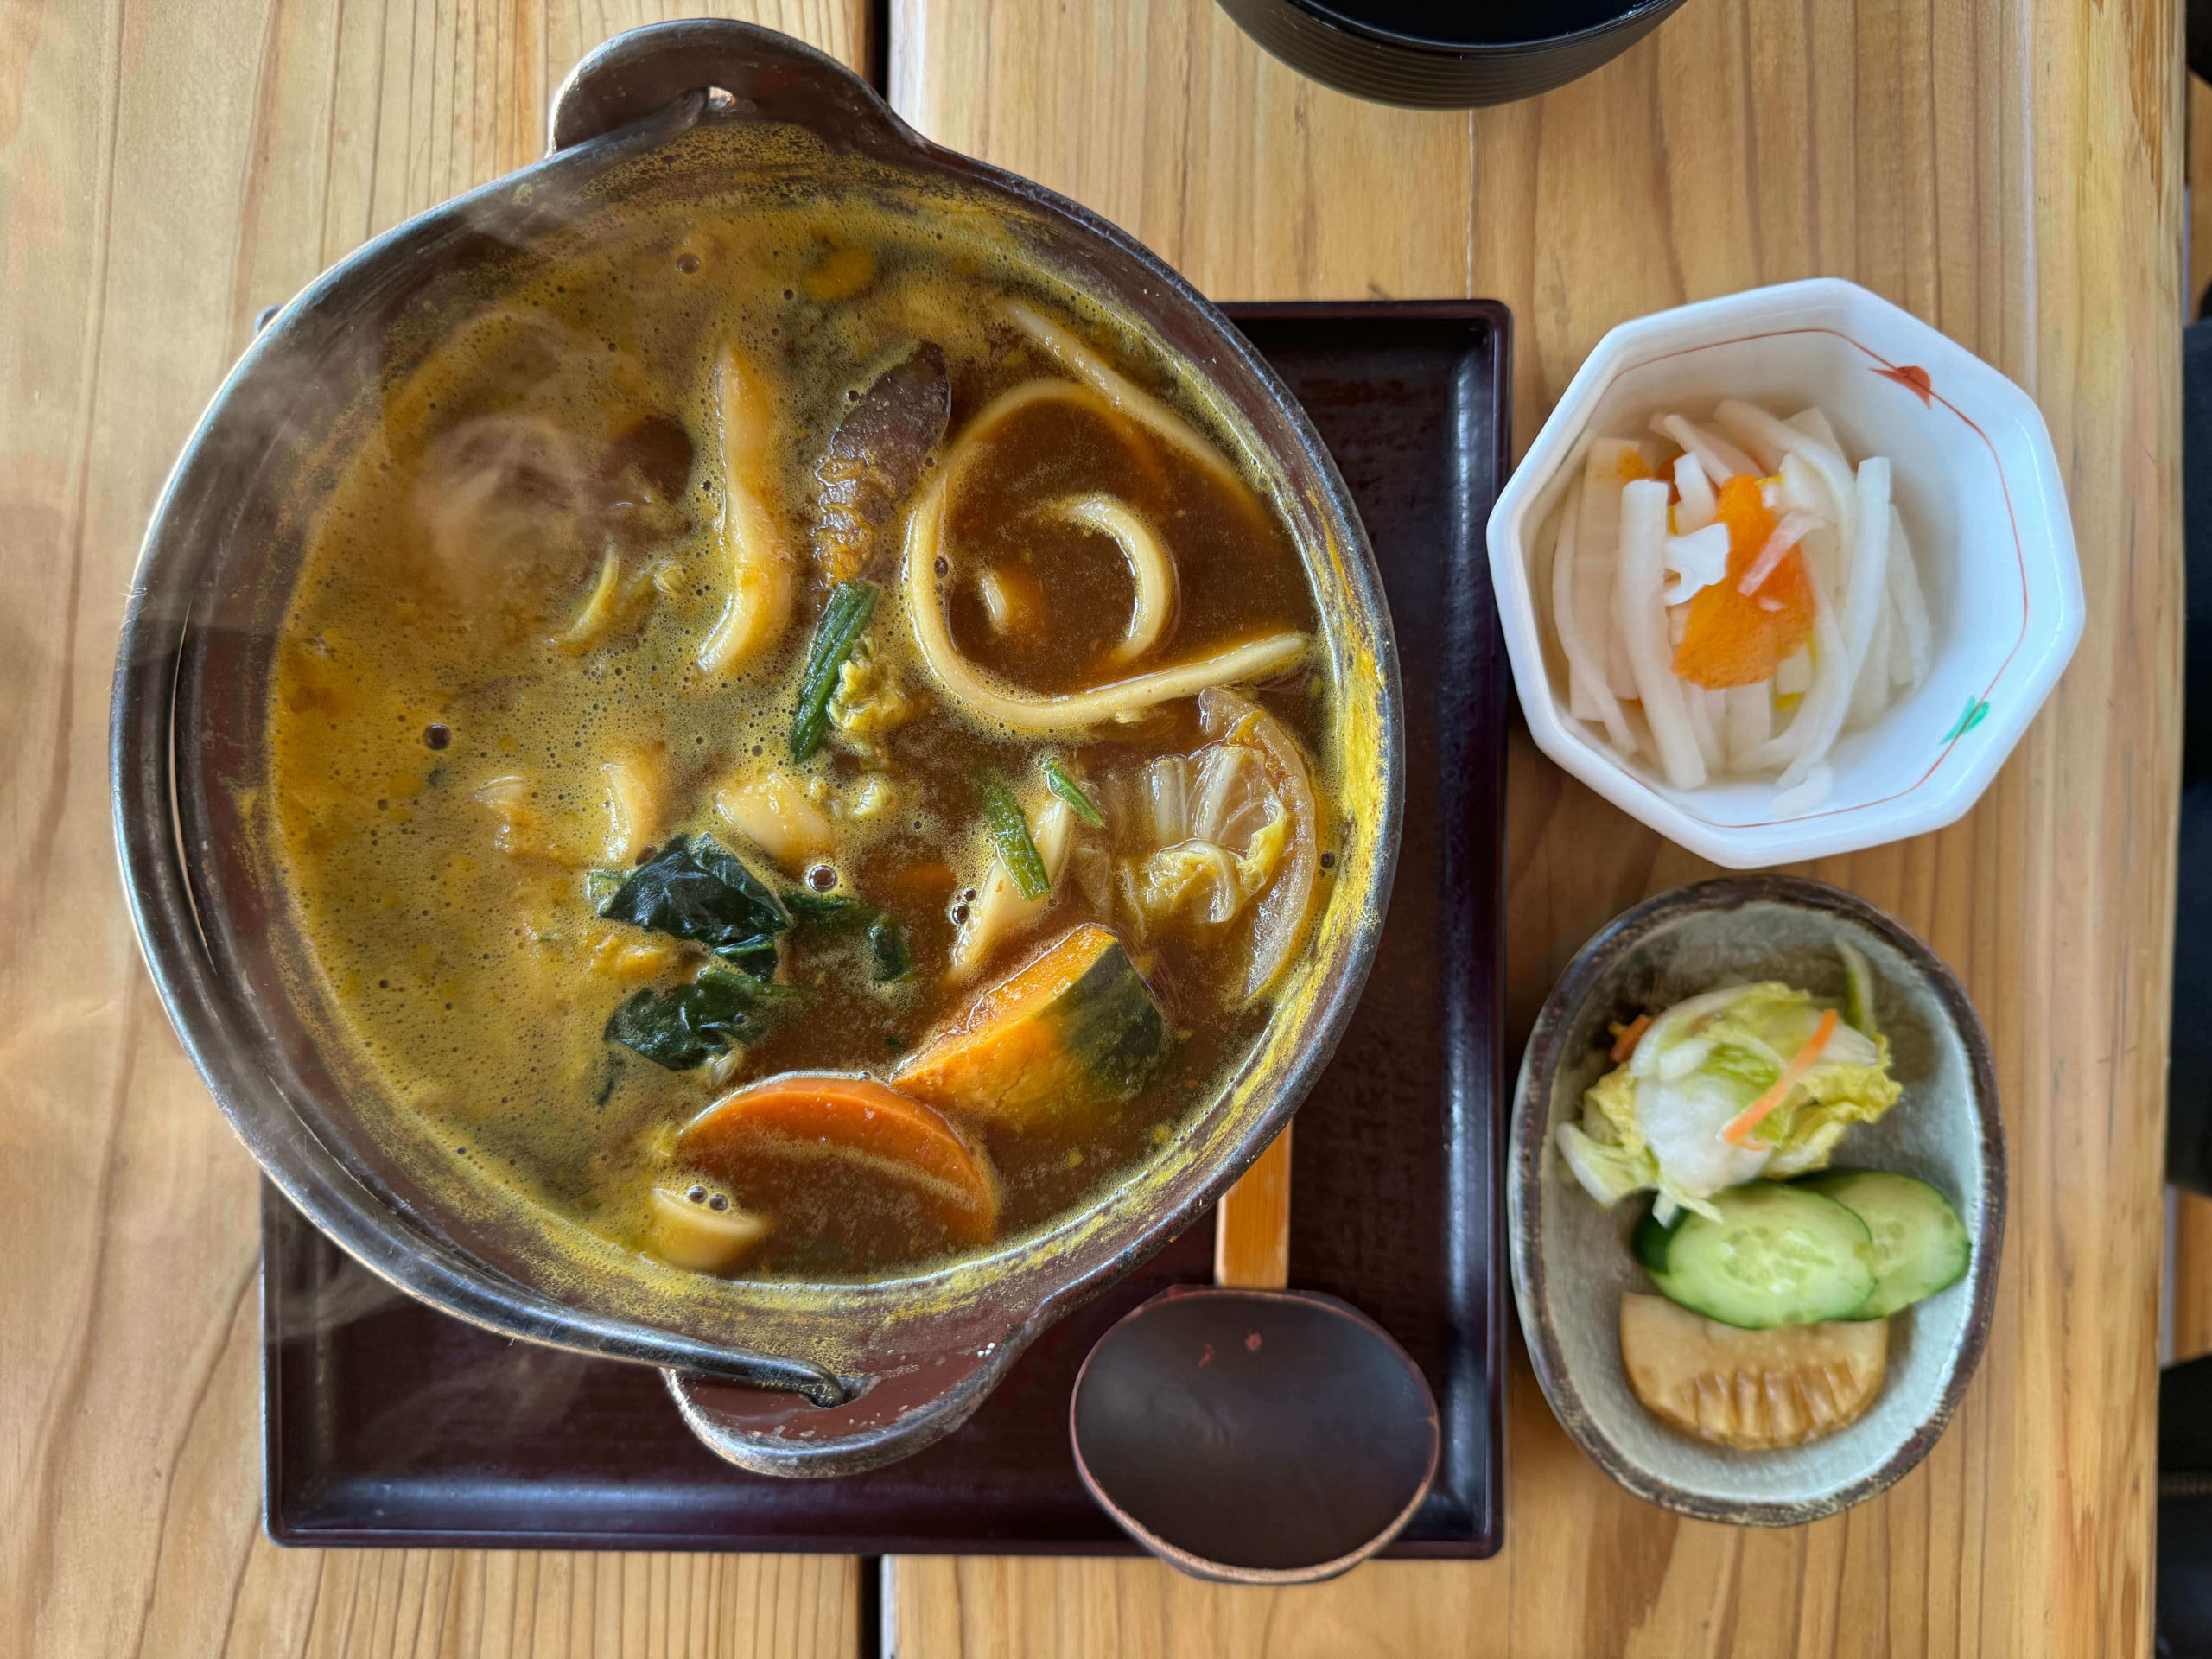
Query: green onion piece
(843, 619)
(1062, 783)
(1009, 828)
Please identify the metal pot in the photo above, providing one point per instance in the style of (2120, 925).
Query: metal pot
(782, 1378)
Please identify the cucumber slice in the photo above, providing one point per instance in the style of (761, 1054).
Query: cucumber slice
(1920, 1243)
(1650, 1239)
(1778, 1255)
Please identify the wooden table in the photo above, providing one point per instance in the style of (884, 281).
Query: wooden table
(2010, 171)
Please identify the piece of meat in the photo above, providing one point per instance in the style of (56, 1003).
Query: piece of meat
(875, 458)
(638, 492)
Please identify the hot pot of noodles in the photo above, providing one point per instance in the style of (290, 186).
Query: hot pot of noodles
(760, 749)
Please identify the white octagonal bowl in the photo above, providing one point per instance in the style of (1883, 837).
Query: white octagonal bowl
(1975, 478)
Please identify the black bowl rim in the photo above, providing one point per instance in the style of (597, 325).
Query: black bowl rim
(1636, 12)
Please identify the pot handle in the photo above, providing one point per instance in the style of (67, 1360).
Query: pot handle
(769, 76)
(908, 1400)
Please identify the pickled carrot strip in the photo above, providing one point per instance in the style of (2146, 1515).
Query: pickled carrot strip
(1738, 1132)
(1733, 638)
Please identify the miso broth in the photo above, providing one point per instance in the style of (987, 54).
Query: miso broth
(796, 750)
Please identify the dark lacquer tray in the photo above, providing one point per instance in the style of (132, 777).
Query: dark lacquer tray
(389, 1423)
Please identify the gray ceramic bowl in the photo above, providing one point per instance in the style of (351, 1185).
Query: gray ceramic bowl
(1571, 1259)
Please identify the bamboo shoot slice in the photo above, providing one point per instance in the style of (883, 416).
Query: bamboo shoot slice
(1755, 1390)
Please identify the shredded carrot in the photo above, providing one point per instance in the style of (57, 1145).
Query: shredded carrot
(1738, 1132)
(1632, 466)
(1625, 1038)
(1730, 638)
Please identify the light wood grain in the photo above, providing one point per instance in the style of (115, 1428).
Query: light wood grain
(2189, 1244)
(2199, 166)
(2190, 1251)
(2010, 172)
(165, 171)
(1251, 1236)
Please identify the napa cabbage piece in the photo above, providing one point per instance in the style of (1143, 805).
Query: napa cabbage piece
(871, 702)
(1231, 831)
(1656, 1122)
(1220, 867)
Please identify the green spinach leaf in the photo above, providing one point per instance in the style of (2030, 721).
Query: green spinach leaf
(699, 890)
(889, 956)
(692, 1024)
(886, 943)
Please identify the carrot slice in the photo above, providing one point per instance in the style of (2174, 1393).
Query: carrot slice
(1738, 1132)
(806, 1112)
(1737, 639)
(931, 882)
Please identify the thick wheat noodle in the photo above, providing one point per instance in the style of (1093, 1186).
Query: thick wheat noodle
(1026, 711)
(1132, 400)
(1046, 390)
(1071, 711)
(1151, 566)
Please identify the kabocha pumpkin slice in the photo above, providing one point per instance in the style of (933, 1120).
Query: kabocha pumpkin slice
(1752, 1389)
(1078, 1028)
(807, 1114)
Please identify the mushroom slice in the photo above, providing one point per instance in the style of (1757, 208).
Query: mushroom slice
(774, 813)
(637, 800)
(759, 607)
(701, 1228)
(1752, 1389)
